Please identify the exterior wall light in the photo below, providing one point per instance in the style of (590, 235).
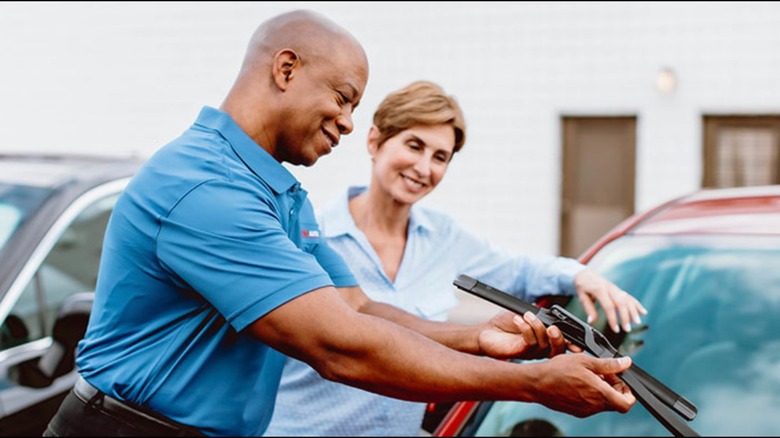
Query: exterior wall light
(666, 81)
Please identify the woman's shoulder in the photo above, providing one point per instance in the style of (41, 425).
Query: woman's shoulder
(435, 219)
(335, 214)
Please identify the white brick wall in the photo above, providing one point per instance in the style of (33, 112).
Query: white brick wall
(127, 77)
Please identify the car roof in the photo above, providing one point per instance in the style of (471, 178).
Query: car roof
(741, 210)
(66, 177)
(53, 170)
(752, 210)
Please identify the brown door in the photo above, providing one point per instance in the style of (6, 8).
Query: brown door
(598, 178)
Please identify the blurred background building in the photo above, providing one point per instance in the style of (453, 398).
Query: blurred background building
(579, 113)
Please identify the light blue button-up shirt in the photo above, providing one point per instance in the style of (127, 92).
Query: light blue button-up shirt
(437, 251)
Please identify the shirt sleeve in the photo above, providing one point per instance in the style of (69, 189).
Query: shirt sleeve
(239, 259)
(523, 275)
(330, 260)
(334, 265)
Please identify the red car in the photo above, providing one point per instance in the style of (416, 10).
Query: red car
(707, 267)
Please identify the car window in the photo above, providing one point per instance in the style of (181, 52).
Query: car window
(16, 203)
(10, 217)
(70, 267)
(712, 336)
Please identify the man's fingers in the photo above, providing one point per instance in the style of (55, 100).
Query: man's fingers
(526, 331)
(620, 395)
(612, 365)
(540, 331)
(557, 341)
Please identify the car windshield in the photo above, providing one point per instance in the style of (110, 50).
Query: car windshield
(17, 203)
(712, 335)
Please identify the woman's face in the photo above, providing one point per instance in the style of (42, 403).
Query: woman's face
(411, 164)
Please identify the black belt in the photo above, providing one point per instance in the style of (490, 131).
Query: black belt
(93, 397)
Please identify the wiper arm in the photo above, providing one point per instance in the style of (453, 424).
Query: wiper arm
(656, 397)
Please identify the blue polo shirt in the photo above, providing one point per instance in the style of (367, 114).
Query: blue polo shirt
(211, 234)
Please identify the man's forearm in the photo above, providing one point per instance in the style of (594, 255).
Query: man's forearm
(456, 336)
(459, 337)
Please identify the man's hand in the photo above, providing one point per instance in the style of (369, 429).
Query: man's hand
(508, 335)
(582, 385)
(618, 304)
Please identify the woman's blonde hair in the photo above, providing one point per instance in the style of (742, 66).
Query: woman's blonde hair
(421, 102)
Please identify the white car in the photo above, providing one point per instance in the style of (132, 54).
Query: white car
(53, 213)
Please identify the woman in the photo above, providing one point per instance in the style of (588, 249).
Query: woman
(395, 248)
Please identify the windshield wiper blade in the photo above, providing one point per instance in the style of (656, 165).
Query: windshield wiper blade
(663, 403)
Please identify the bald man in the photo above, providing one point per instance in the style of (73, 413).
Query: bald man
(213, 267)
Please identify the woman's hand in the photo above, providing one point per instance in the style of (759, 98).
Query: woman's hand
(618, 305)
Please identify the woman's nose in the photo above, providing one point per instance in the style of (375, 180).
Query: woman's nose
(423, 166)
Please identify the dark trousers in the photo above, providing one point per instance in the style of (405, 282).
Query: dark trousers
(82, 416)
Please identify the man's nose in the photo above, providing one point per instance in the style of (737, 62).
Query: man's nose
(344, 123)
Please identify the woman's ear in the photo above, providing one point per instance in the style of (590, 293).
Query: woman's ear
(285, 64)
(373, 141)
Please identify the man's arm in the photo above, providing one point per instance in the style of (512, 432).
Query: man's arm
(501, 337)
(377, 355)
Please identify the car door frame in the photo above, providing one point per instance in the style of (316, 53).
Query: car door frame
(15, 398)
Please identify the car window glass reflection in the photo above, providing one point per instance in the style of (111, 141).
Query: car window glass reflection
(70, 267)
(723, 298)
(18, 202)
(9, 219)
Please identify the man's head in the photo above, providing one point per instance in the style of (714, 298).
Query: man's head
(301, 79)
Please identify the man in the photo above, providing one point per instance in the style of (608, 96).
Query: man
(212, 266)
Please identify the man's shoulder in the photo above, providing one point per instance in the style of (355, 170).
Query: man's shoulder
(192, 164)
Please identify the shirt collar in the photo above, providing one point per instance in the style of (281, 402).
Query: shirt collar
(259, 161)
(343, 223)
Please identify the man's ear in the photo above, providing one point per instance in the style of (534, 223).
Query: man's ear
(286, 62)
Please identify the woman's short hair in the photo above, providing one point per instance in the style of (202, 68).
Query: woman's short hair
(421, 102)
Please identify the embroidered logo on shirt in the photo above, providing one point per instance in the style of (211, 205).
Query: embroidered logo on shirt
(310, 233)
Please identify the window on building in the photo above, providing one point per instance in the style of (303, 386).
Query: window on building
(741, 150)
